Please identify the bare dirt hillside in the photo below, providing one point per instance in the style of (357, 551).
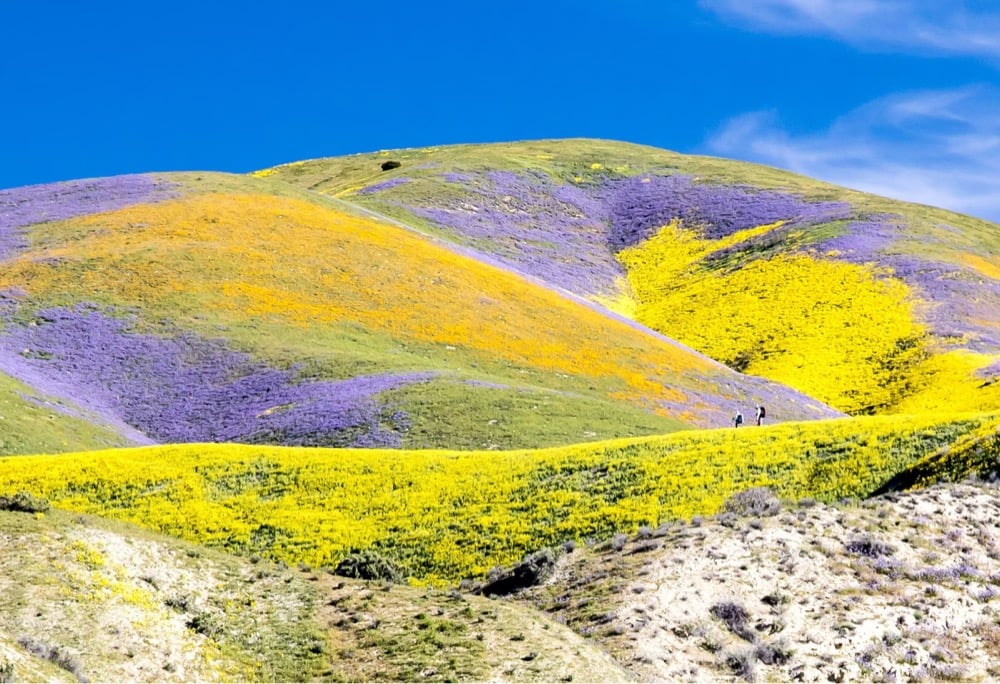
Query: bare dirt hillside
(899, 588)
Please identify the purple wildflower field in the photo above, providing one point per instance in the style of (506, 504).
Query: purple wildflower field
(21, 207)
(990, 372)
(957, 301)
(550, 231)
(865, 240)
(567, 234)
(189, 389)
(638, 206)
(384, 185)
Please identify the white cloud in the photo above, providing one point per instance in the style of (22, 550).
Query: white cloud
(933, 147)
(924, 26)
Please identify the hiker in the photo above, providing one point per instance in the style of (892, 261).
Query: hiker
(760, 414)
(738, 419)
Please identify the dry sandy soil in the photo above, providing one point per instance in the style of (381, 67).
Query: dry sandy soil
(899, 588)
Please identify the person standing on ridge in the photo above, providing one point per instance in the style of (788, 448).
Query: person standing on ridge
(738, 419)
(760, 414)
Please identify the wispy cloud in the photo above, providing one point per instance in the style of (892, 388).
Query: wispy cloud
(924, 26)
(933, 147)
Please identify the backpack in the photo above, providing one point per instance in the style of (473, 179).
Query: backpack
(763, 413)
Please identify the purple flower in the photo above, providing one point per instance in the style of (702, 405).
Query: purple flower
(638, 206)
(188, 389)
(529, 223)
(384, 185)
(960, 306)
(21, 207)
(866, 240)
(567, 234)
(990, 372)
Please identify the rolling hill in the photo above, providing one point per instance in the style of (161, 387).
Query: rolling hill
(356, 399)
(208, 307)
(868, 304)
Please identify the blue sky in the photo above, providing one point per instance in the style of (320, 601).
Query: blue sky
(897, 97)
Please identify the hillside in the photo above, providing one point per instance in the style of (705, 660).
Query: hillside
(443, 516)
(903, 584)
(897, 588)
(210, 307)
(298, 425)
(86, 600)
(865, 303)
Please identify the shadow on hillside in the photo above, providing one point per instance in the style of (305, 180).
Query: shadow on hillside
(978, 458)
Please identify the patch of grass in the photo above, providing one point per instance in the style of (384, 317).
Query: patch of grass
(31, 423)
(472, 416)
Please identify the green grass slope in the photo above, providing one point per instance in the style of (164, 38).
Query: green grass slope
(869, 304)
(31, 423)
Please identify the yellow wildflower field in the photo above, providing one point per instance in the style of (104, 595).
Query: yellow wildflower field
(446, 515)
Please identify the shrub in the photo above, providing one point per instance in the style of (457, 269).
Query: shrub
(645, 546)
(754, 502)
(533, 569)
(775, 599)
(54, 654)
(6, 671)
(205, 624)
(24, 502)
(742, 664)
(870, 547)
(728, 520)
(179, 602)
(774, 654)
(735, 618)
(368, 565)
(949, 673)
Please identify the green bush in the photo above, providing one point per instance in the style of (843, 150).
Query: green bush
(24, 502)
(369, 565)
